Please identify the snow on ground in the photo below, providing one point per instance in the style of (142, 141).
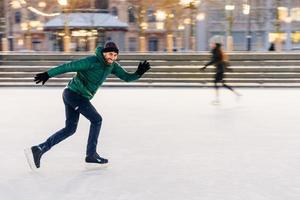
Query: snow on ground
(162, 144)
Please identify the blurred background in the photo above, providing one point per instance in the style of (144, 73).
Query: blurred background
(149, 25)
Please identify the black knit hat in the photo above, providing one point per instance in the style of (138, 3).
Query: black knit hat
(111, 47)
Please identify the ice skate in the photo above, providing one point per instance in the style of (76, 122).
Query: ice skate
(95, 162)
(33, 156)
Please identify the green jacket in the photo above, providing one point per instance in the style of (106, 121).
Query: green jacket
(91, 73)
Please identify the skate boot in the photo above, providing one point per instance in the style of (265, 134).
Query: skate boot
(95, 158)
(33, 156)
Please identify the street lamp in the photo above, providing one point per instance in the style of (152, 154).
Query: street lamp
(4, 40)
(66, 37)
(143, 26)
(163, 16)
(288, 43)
(201, 34)
(284, 15)
(229, 40)
(140, 12)
(246, 11)
(7, 41)
(192, 5)
(279, 16)
(288, 21)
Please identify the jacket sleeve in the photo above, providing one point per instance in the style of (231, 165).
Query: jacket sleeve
(123, 74)
(73, 66)
(214, 59)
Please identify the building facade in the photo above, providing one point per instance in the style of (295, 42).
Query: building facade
(266, 21)
(165, 25)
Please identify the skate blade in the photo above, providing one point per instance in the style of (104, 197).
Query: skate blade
(238, 98)
(29, 158)
(215, 103)
(95, 166)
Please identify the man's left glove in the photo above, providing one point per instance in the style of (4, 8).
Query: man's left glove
(41, 77)
(203, 68)
(143, 67)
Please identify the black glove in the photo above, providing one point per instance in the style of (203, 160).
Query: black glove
(143, 67)
(203, 68)
(41, 77)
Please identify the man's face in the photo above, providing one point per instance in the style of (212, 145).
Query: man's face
(110, 57)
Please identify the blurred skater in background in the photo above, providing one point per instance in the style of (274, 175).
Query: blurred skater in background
(219, 60)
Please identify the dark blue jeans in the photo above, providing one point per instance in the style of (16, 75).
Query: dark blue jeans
(74, 106)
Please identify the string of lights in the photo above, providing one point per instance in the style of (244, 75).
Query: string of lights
(23, 3)
(38, 12)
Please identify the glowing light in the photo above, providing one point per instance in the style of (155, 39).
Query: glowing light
(24, 26)
(42, 4)
(36, 11)
(282, 13)
(187, 21)
(160, 25)
(161, 15)
(229, 7)
(15, 4)
(246, 9)
(201, 16)
(288, 19)
(295, 14)
(20, 42)
(144, 25)
(63, 2)
(191, 3)
(180, 27)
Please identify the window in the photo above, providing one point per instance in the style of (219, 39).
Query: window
(153, 44)
(151, 15)
(101, 4)
(18, 17)
(114, 11)
(132, 44)
(32, 16)
(131, 15)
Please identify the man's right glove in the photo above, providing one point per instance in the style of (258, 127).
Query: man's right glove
(143, 67)
(41, 77)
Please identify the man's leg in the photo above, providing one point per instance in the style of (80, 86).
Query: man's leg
(230, 88)
(89, 111)
(218, 76)
(72, 118)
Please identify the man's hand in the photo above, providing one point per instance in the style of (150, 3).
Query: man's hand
(41, 77)
(143, 67)
(203, 68)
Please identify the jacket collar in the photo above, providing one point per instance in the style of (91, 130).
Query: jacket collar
(100, 56)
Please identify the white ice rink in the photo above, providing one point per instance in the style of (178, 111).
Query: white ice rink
(162, 144)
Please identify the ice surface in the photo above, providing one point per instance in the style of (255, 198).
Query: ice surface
(162, 144)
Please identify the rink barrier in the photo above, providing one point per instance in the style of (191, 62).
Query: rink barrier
(168, 70)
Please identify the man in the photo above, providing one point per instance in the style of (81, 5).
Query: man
(91, 73)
